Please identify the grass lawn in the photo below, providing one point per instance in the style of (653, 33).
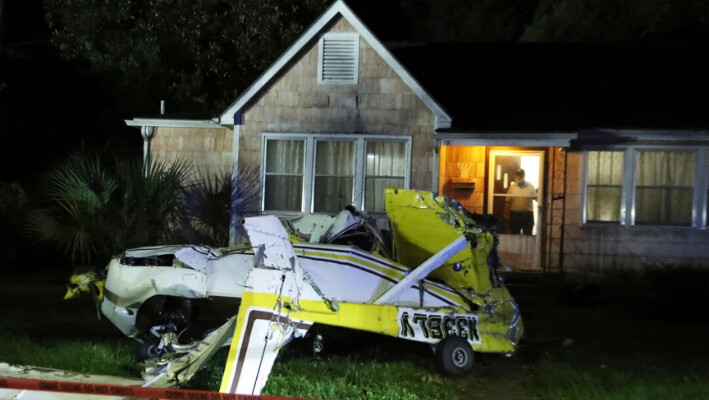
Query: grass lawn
(613, 355)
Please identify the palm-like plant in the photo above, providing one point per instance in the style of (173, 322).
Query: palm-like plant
(96, 208)
(210, 204)
(150, 208)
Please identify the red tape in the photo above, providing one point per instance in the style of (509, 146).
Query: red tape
(126, 391)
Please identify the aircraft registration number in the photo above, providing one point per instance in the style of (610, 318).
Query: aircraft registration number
(432, 327)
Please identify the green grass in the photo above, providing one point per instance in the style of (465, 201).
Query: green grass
(562, 382)
(38, 328)
(103, 357)
(614, 355)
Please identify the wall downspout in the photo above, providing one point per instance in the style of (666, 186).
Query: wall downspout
(147, 133)
(563, 215)
(235, 228)
(436, 165)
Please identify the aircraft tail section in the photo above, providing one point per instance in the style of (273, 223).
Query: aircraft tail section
(263, 324)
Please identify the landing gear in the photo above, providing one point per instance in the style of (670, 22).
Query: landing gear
(454, 356)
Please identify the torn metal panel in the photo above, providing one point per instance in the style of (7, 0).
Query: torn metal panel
(423, 224)
(88, 282)
(177, 368)
(310, 228)
(168, 272)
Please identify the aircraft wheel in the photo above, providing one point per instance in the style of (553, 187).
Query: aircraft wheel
(455, 356)
(147, 351)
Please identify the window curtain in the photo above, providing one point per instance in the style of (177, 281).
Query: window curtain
(334, 176)
(283, 189)
(386, 167)
(664, 188)
(604, 186)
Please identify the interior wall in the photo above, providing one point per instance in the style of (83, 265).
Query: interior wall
(462, 175)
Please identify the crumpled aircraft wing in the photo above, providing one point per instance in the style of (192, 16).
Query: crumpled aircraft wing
(263, 324)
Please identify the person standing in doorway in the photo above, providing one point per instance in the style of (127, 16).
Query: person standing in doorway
(519, 204)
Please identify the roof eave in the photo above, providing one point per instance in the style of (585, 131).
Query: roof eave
(228, 117)
(172, 123)
(526, 139)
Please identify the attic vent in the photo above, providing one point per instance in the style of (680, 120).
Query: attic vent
(338, 61)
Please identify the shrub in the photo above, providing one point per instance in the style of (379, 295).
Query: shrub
(94, 208)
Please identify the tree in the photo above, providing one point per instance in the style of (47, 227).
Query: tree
(199, 54)
(616, 20)
(468, 21)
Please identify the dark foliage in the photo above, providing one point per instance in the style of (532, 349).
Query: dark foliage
(210, 204)
(196, 54)
(95, 206)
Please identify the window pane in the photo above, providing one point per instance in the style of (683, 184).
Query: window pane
(603, 204)
(332, 194)
(664, 188)
(604, 185)
(285, 156)
(283, 186)
(605, 168)
(334, 158)
(386, 159)
(374, 192)
(283, 193)
(663, 206)
(334, 176)
(386, 167)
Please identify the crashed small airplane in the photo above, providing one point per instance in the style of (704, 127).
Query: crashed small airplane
(432, 277)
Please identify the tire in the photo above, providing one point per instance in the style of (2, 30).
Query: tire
(147, 351)
(455, 357)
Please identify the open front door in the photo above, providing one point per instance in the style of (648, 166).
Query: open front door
(516, 204)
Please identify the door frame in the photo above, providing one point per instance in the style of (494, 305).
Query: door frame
(541, 186)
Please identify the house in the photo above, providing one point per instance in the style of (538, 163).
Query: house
(344, 113)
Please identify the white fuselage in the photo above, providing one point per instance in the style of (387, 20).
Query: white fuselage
(340, 273)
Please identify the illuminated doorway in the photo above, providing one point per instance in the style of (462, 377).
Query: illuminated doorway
(513, 203)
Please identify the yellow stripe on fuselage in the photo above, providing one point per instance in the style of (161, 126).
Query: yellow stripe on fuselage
(347, 254)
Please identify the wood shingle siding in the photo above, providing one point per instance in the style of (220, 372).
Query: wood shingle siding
(207, 150)
(381, 103)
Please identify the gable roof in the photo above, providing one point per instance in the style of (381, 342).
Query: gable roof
(232, 114)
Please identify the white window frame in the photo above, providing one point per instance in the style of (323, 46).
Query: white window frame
(628, 191)
(321, 47)
(360, 167)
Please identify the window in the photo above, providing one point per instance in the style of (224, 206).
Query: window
(325, 173)
(705, 215)
(604, 185)
(338, 58)
(334, 176)
(664, 185)
(647, 186)
(283, 181)
(386, 167)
